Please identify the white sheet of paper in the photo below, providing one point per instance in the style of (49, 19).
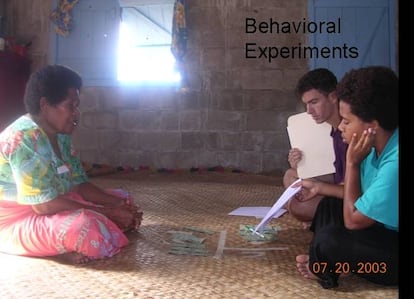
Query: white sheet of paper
(283, 199)
(258, 212)
(315, 142)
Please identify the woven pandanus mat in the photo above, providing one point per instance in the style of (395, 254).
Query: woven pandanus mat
(197, 203)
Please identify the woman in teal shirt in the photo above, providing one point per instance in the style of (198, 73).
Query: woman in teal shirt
(358, 233)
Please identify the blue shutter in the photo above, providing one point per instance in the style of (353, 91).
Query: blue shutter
(91, 46)
(368, 25)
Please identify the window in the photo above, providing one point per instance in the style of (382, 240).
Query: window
(144, 49)
(114, 42)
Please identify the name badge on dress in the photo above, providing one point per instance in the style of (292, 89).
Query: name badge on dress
(62, 169)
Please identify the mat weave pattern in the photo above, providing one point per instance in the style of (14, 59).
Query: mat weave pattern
(145, 269)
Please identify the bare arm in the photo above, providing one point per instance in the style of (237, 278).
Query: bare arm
(125, 216)
(311, 188)
(96, 195)
(332, 190)
(357, 151)
(58, 204)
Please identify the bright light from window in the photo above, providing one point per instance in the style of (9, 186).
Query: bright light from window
(145, 64)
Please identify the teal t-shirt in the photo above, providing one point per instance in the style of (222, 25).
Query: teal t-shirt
(30, 171)
(379, 183)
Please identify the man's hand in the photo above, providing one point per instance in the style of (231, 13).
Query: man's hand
(294, 157)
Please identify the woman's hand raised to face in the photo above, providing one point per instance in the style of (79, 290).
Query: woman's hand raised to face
(360, 146)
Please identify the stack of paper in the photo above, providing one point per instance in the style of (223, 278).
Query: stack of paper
(279, 204)
(315, 142)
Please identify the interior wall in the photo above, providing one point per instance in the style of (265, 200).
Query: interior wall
(233, 112)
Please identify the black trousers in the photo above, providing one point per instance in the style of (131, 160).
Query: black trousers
(371, 253)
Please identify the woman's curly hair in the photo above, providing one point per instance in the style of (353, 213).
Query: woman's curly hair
(372, 93)
(51, 82)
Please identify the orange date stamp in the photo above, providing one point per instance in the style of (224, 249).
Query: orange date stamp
(345, 268)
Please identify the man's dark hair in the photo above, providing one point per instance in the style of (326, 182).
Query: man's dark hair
(372, 93)
(320, 79)
(51, 82)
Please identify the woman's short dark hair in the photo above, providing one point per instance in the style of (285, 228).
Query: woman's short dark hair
(320, 79)
(372, 93)
(51, 82)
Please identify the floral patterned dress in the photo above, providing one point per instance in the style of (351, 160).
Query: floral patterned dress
(31, 173)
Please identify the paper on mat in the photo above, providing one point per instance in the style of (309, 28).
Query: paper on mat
(283, 199)
(258, 212)
(315, 142)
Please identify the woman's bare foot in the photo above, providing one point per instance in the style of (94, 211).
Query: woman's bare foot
(302, 264)
(74, 258)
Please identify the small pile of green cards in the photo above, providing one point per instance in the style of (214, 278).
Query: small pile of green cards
(185, 243)
(268, 234)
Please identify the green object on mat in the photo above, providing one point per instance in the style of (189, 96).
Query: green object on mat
(184, 243)
(269, 233)
(188, 249)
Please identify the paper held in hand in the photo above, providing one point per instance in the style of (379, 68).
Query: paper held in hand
(279, 204)
(316, 144)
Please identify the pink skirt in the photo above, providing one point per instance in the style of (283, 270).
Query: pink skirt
(23, 232)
